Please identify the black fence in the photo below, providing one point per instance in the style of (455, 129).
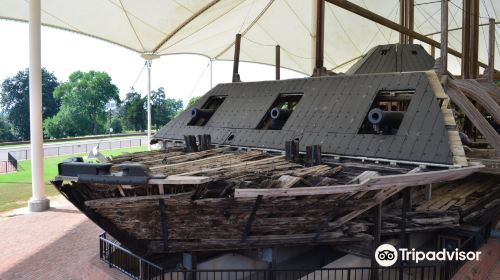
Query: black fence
(137, 267)
(127, 262)
(9, 165)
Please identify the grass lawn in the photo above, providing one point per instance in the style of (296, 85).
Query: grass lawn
(15, 188)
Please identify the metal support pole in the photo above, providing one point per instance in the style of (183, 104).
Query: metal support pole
(148, 64)
(236, 60)
(278, 66)
(465, 38)
(319, 69)
(211, 74)
(377, 228)
(405, 207)
(491, 51)
(444, 38)
(474, 40)
(38, 202)
(410, 7)
(402, 21)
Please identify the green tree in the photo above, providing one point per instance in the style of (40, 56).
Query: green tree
(192, 101)
(14, 100)
(163, 109)
(83, 105)
(133, 112)
(116, 124)
(5, 130)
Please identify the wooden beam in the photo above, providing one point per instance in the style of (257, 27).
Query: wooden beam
(334, 212)
(278, 62)
(373, 183)
(473, 90)
(180, 180)
(444, 38)
(459, 99)
(491, 50)
(457, 28)
(164, 224)
(347, 5)
(474, 48)
(236, 60)
(465, 57)
(249, 222)
(410, 7)
(319, 68)
(402, 22)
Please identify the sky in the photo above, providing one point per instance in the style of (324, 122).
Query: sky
(63, 52)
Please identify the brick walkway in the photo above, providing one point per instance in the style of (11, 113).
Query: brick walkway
(57, 244)
(488, 268)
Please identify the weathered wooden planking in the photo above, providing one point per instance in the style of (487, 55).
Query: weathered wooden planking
(473, 90)
(491, 88)
(474, 115)
(374, 183)
(180, 180)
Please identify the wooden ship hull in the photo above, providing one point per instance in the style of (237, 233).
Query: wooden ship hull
(297, 162)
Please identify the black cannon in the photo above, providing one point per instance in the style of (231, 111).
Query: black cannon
(197, 114)
(385, 121)
(279, 117)
(377, 116)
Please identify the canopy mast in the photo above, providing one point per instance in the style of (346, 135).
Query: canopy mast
(149, 59)
(319, 69)
(236, 60)
(38, 202)
(444, 39)
(491, 51)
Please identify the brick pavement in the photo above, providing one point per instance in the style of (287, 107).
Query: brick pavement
(57, 244)
(488, 268)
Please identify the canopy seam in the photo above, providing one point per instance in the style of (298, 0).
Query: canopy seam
(184, 24)
(248, 27)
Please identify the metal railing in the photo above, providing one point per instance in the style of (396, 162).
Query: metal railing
(7, 167)
(347, 273)
(79, 147)
(137, 267)
(127, 262)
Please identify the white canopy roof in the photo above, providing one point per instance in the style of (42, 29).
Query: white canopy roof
(208, 27)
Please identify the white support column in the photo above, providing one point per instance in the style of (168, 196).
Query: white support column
(38, 202)
(148, 64)
(149, 59)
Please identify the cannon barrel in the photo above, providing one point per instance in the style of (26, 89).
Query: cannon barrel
(377, 116)
(201, 113)
(279, 114)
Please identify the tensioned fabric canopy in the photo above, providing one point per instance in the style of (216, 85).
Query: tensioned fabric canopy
(208, 27)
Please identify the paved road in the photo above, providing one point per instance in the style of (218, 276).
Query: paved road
(73, 147)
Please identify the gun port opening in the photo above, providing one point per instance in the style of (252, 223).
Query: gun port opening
(279, 112)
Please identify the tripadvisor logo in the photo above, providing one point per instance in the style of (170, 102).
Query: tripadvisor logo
(387, 255)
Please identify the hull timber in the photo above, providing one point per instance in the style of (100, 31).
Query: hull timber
(245, 205)
(340, 163)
